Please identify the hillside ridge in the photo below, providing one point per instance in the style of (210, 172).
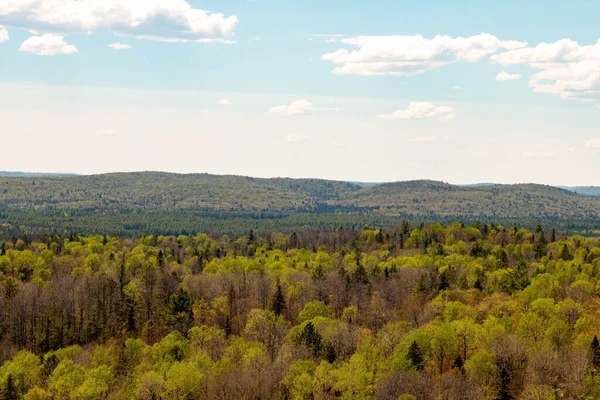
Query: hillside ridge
(137, 202)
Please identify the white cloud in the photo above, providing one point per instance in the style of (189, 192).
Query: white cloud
(593, 144)
(598, 106)
(295, 138)
(567, 68)
(119, 46)
(298, 107)
(338, 144)
(109, 132)
(3, 34)
(505, 76)
(224, 102)
(420, 110)
(410, 55)
(165, 20)
(423, 139)
(47, 45)
(457, 87)
(538, 154)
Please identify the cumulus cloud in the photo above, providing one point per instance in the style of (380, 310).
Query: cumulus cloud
(295, 138)
(119, 46)
(411, 55)
(298, 107)
(421, 110)
(3, 34)
(164, 20)
(593, 144)
(224, 102)
(47, 45)
(566, 67)
(423, 139)
(505, 76)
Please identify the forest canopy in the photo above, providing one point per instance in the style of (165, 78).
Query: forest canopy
(424, 311)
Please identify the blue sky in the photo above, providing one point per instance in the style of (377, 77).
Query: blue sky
(372, 91)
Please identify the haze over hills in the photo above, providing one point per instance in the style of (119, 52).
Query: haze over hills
(134, 203)
(19, 174)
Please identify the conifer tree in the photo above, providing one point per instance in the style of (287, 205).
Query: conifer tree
(539, 248)
(595, 352)
(312, 339)
(278, 305)
(519, 276)
(565, 254)
(10, 390)
(415, 356)
(180, 312)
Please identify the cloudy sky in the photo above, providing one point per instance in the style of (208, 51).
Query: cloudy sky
(463, 91)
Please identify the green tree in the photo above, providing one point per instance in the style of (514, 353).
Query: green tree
(565, 254)
(595, 352)
(10, 390)
(180, 311)
(519, 277)
(415, 356)
(540, 248)
(312, 339)
(278, 304)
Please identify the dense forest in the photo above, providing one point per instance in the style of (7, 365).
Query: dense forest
(132, 204)
(422, 312)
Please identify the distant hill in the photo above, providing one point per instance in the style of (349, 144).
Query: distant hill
(134, 203)
(585, 190)
(19, 174)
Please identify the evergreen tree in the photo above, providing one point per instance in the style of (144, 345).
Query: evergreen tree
(458, 363)
(329, 353)
(10, 390)
(180, 311)
(278, 305)
(540, 247)
(595, 352)
(49, 364)
(553, 238)
(444, 284)
(379, 236)
(565, 254)
(227, 326)
(519, 276)
(504, 384)
(312, 339)
(415, 356)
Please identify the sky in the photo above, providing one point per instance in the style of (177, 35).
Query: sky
(375, 91)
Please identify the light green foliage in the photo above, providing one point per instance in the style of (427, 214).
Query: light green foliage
(362, 314)
(95, 386)
(314, 309)
(67, 377)
(25, 370)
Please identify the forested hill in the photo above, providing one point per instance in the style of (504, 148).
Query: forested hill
(134, 203)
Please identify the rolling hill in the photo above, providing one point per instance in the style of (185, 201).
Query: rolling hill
(134, 203)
